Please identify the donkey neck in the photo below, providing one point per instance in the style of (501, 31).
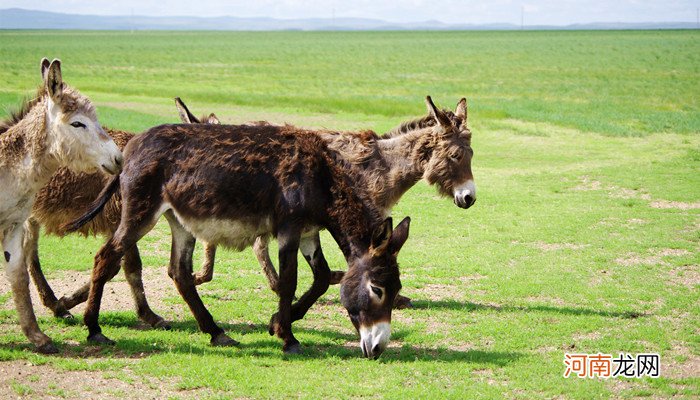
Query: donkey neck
(26, 148)
(405, 157)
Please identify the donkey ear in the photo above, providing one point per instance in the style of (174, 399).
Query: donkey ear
(185, 114)
(439, 116)
(213, 120)
(399, 236)
(54, 80)
(381, 237)
(45, 63)
(461, 111)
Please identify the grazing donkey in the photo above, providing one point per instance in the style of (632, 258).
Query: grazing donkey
(436, 148)
(57, 128)
(62, 200)
(228, 185)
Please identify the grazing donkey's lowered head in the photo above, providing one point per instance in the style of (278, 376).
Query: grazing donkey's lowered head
(370, 286)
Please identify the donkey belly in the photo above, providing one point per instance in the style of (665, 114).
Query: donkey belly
(235, 234)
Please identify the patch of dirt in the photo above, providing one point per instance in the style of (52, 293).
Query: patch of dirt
(678, 205)
(471, 278)
(588, 184)
(486, 375)
(23, 380)
(439, 292)
(690, 368)
(676, 318)
(624, 193)
(673, 252)
(559, 246)
(586, 336)
(619, 386)
(117, 294)
(546, 300)
(688, 276)
(599, 277)
(634, 259)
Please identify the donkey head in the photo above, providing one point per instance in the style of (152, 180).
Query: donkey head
(371, 284)
(449, 166)
(76, 137)
(188, 118)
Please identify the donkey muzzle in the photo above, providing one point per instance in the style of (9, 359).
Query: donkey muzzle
(465, 194)
(374, 339)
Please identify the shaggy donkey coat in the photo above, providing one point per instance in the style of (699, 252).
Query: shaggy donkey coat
(230, 184)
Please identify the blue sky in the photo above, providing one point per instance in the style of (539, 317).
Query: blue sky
(535, 12)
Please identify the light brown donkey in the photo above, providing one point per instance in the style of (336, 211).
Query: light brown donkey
(58, 128)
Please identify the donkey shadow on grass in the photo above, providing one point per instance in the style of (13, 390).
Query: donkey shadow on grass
(565, 310)
(337, 345)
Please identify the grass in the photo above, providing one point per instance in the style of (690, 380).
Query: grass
(585, 237)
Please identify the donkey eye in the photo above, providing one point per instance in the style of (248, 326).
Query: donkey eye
(377, 291)
(77, 124)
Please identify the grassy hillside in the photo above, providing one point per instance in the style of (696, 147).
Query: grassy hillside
(585, 237)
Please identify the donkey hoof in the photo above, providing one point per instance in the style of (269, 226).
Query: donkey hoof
(402, 302)
(294, 348)
(223, 340)
(47, 348)
(99, 338)
(274, 325)
(63, 314)
(162, 324)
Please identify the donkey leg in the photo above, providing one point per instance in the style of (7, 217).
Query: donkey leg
(281, 322)
(401, 302)
(31, 254)
(65, 303)
(262, 252)
(133, 271)
(107, 262)
(311, 250)
(16, 271)
(336, 277)
(181, 272)
(207, 272)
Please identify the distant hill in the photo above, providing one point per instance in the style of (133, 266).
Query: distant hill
(17, 18)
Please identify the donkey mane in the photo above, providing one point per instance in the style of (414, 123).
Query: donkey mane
(352, 147)
(25, 107)
(416, 124)
(72, 101)
(341, 184)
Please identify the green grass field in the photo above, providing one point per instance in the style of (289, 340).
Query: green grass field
(585, 237)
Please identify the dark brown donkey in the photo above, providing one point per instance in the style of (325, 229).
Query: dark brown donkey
(230, 184)
(436, 148)
(62, 200)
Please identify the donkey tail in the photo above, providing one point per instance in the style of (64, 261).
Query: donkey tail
(96, 207)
